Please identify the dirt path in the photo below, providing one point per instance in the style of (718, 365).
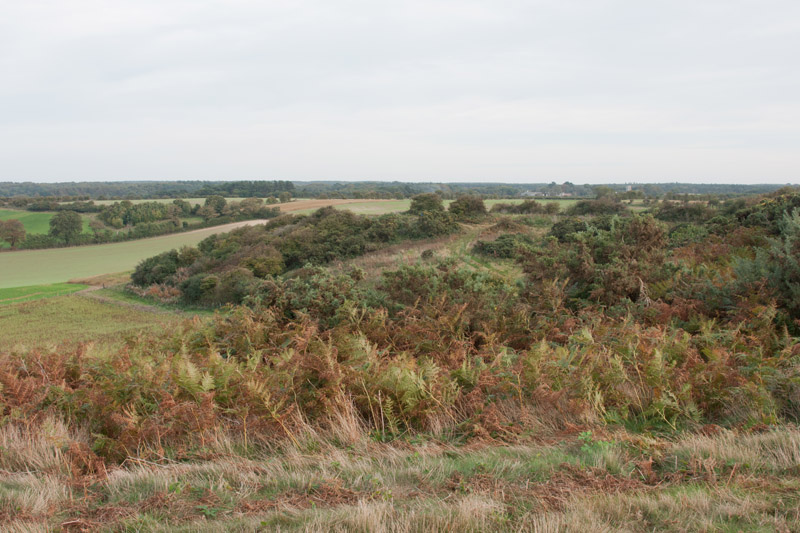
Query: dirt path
(91, 292)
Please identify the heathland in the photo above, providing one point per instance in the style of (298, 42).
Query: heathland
(593, 365)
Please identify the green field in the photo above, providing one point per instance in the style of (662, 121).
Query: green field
(36, 222)
(72, 319)
(33, 222)
(55, 265)
(36, 292)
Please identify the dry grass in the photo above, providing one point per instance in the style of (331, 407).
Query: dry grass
(105, 280)
(319, 483)
(38, 450)
(770, 451)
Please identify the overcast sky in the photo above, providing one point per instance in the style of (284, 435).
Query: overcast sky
(490, 90)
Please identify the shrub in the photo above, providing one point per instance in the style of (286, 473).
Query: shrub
(779, 264)
(527, 207)
(602, 206)
(565, 230)
(285, 244)
(604, 266)
(468, 208)
(506, 246)
(156, 269)
(684, 234)
(434, 224)
(426, 203)
(684, 212)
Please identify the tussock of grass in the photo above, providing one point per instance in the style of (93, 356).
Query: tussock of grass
(771, 451)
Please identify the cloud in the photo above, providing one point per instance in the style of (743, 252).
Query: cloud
(587, 91)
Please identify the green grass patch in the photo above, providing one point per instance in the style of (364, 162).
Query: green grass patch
(38, 223)
(35, 223)
(36, 292)
(72, 319)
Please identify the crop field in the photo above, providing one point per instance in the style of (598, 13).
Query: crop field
(35, 267)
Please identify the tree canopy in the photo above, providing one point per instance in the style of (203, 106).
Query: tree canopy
(66, 225)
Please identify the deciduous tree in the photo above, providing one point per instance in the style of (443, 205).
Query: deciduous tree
(66, 225)
(12, 231)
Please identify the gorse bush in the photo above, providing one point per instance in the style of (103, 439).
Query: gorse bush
(506, 246)
(426, 203)
(769, 213)
(603, 265)
(227, 267)
(779, 264)
(683, 212)
(527, 207)
(602, 206)
(468, 208)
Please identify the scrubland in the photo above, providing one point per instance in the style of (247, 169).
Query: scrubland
(599, 370)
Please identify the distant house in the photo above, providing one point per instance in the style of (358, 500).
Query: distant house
(533, 193)
(564, 194)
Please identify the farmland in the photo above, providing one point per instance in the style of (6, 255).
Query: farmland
(33, 267)
(36, 223)
(33, 222)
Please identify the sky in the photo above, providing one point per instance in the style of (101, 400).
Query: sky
(486, 90)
